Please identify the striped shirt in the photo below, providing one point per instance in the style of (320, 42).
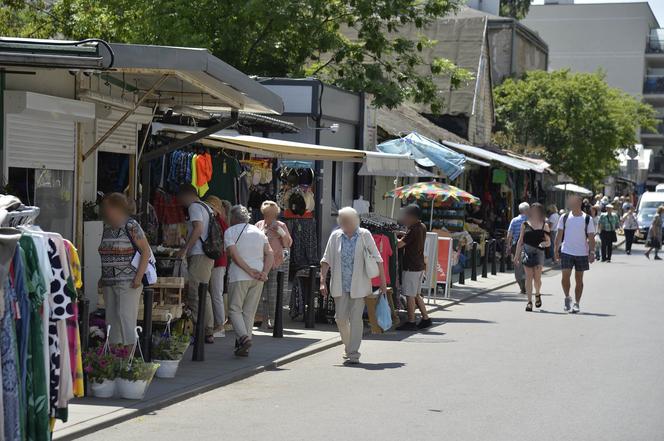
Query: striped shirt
(515, 227)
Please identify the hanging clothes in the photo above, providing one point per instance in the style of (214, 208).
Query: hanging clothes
(73, 332)
(385, 251)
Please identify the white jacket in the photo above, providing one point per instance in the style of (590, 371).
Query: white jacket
(361, 283)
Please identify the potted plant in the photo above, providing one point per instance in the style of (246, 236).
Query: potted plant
(168, 350)
(101, 369)
(134, 376)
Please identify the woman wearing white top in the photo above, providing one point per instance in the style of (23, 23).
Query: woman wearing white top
(350, 283)
(629, 226)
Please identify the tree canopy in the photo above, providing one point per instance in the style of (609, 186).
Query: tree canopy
(514, 8)
(269, 38)
(577, 119)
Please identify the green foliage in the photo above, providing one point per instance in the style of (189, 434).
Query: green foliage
(291, 38)
(25, 18)
(138, 370)
(514, 8)
(576, 117)
(169, 347)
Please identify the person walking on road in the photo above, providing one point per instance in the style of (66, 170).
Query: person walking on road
(576, 242)
(413, 266)
(629, 225)
(552, 221)
(608, 224)
(654, 240)
(251, 261)
(347, 250)
(513, 233)
(533, 240)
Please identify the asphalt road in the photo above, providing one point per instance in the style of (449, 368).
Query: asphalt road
(487, 371)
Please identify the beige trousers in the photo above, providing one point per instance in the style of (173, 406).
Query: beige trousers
(199, 268)
(244, 297)
(348, 315)
(121, 303)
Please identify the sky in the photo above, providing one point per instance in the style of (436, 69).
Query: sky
(657, 6)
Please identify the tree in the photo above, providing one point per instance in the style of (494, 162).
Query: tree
(577, 119)
(291, 38)
(514, 8)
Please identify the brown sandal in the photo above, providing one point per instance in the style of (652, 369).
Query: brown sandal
(529, 306)
(538, 301)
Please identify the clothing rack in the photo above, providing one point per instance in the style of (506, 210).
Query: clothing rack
(24, 215)
(374, 222)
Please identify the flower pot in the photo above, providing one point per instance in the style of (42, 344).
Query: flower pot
(132, 390)
(105, 389)
(167, 368)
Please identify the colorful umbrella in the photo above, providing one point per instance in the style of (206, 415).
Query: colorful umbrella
(432, 191)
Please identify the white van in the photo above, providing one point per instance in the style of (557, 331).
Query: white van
(648, 203)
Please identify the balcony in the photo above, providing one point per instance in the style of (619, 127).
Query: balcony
(655, 44)
(653, 85)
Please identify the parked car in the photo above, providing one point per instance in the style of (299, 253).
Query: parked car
(648, 203)
(659, 188)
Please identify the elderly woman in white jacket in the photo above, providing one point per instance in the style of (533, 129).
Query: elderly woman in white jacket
(349, 283)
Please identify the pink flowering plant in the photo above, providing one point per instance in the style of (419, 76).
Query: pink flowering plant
(100, 366)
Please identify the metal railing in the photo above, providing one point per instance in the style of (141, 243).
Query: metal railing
(653, 84)
(655, 45)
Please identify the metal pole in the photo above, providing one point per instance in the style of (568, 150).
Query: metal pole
(148, 297)
(278, 331)
(473, 261)
(84, 321)
(462, 275)
(485, 259)
(199, 335)
(309, 313)
(493, 257)
(502, 258)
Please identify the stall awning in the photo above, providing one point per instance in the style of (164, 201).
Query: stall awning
(514, 163)
(392, 173)
(282, 149)
(573, 188)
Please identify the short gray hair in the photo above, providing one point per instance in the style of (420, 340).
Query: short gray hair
(523, 207)
(348, 212)
(239, 215)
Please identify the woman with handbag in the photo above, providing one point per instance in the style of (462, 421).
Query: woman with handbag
(280, 241)
(535, 237)
(121, 281)
(654, 240)
(353, 259)
(608, 224)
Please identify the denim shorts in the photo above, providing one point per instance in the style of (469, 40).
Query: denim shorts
(578, 263)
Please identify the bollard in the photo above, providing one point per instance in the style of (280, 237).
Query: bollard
(278, 330)
(309, 313)
(84, 321)
(502, 258)
(494, 246)
(148, 297)
(485, 260)
(199, 332)
(473, 262)
(462, 276)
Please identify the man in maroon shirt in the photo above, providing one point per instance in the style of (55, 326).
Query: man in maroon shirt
(413, 267)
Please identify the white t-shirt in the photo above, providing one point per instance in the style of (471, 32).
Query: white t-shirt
(575, 241)
(553, 221)
(197, 212)
(250, 246)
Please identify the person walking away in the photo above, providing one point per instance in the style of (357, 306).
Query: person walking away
(251, 261)
(413, 267)
(608, 224)
(199, 265)
(533, 240)
(121, 282)
(513, 232)
(552, 221)
(280, 240)
(654, 239)
(630, 226)
(576, 242)
(350, 283)
(218, 270)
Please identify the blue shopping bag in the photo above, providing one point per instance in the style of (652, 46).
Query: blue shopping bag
(383, 313)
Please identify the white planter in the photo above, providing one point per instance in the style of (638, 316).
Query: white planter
(105, 389)
(132, 390)
(167, 368)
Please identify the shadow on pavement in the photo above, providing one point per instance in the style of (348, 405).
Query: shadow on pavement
(373, 366)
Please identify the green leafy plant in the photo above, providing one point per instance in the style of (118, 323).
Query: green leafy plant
(137, 370)
(99, 366)
(170, 347)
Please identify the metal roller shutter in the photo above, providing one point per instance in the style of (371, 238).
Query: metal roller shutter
(40, 143)
(123, 140)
